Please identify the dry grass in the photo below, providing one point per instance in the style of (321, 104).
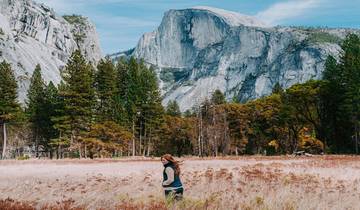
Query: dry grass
(323, 182)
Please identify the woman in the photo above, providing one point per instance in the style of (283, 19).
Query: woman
(171, 178)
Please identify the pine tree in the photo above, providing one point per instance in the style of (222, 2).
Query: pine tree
(173, 109)
(341, 98)
(60, 123)
(218, 98)
(277, 89)
(151, 109)
(50, 110)
(350, 65)
(8, 100)
(35, 103)
(106, 89)
(122, 81)
(79, 97)
(332, 96)
(134, 89)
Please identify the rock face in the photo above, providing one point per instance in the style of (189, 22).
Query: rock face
(199, 50)
(32, 33)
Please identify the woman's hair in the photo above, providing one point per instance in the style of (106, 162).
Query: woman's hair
(171, 159)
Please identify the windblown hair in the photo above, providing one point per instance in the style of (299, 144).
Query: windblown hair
(171, 159)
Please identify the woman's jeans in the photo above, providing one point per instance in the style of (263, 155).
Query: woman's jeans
(174, 194)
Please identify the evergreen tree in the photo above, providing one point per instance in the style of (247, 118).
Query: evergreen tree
(151, 109)
(35, 105)
(122, 81)
(332, 97)
(60, 123)
(341, 98)
(79, 95)
(106, 89)
(350, 83)
(218, 98)
(277, 89)
(8, 100)
(134, 89)
(138, 102)
(50, 108)
(173, 109)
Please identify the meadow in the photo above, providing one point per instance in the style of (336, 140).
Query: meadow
(249, 182)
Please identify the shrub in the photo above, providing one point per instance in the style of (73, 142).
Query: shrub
(309, 143)
(24, 157)
(75, 19)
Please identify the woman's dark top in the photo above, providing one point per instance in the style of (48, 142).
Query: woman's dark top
(171, 181)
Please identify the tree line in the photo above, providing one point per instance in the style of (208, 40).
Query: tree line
(115, 110)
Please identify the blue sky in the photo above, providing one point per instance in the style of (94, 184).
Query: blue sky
(120, 23)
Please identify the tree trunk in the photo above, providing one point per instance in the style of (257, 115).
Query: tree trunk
(36, 145)
(149, 143)
(80, 155)
(133, 138)
(140, 138)
(356, 139)
(5, 139)
(200, 133)
(144, 147)
(226, 139)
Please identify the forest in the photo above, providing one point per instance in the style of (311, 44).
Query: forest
(114, 110)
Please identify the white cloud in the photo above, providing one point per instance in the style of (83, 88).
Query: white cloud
(280, 12)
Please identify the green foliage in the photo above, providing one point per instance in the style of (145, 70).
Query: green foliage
(309, 143)
(138, 101)
(238, 120)
(117, 111)
(75, 19)
(79, 37)
(277, 89)
(218, 98)
(177, 135)
(341, 97)
(173, 109)
(24, 157)
(104, 139)
(323, 37)
(105, 82)
(60, 118)
(41, 109)
(80, 22)
(35, 108)
(49, 108)
(79, 96)
(8, 87)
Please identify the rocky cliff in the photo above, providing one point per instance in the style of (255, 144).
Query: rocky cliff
(199, 50)
(31, 33)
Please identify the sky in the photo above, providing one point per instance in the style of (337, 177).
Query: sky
(121, 23)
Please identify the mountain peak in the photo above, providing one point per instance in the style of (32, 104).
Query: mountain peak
(233, 18)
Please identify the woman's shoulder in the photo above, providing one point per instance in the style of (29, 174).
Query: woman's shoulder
(170, 168)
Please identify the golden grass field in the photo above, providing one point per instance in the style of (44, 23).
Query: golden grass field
(254, 182)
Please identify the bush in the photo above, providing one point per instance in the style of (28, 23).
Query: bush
(75, 19)
(272, 147)
(309, 143)
(24, 157)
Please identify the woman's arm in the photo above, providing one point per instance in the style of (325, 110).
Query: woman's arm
(170, 176)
